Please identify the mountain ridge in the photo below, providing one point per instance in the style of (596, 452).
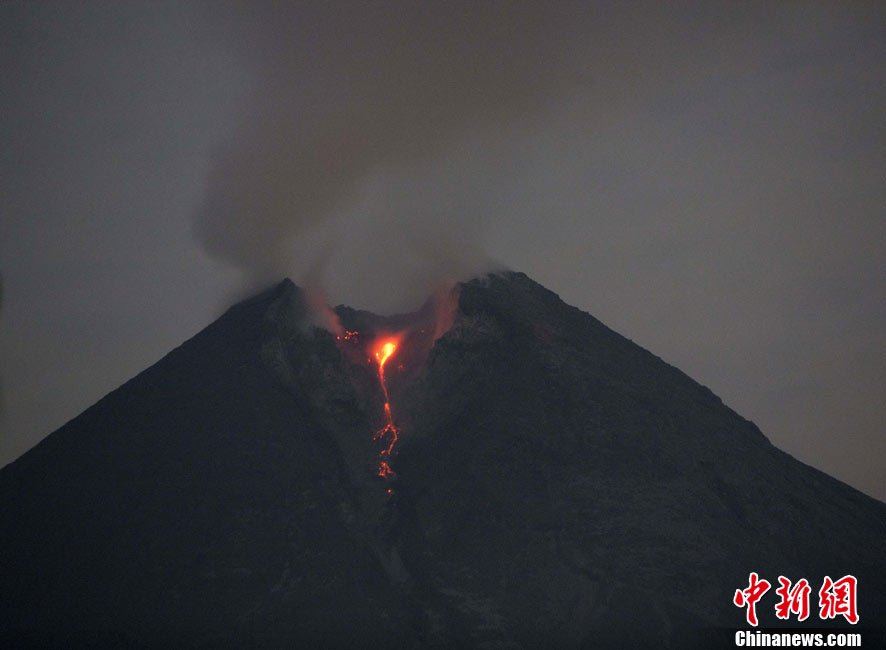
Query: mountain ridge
(553, 479)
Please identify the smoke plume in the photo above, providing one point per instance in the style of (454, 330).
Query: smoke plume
(346, 97)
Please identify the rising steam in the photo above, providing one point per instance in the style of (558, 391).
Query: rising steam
(342, 101)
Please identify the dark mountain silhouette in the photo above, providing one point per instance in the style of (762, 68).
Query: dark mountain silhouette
(557, 486)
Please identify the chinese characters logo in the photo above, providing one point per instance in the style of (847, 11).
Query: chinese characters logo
(835, 598)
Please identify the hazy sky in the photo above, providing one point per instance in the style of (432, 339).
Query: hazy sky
(707, 179)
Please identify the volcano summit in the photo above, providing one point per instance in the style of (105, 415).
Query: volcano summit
(552, 485)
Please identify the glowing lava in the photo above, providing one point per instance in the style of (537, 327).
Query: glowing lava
(348, 336)
(384, 349)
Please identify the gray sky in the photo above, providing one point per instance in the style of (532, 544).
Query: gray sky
(707, 179)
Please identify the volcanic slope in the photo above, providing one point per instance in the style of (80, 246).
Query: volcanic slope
(556, 486)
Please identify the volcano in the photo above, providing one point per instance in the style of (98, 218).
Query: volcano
(553, 485)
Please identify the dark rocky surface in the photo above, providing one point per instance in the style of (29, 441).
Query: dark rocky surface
(558, 486)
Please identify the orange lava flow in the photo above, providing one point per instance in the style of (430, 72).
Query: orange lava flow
(389, 432)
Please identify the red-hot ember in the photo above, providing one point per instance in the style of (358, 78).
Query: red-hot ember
(389, 433)
(348, 336)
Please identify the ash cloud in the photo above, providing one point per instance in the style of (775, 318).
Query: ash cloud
(346, 96)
